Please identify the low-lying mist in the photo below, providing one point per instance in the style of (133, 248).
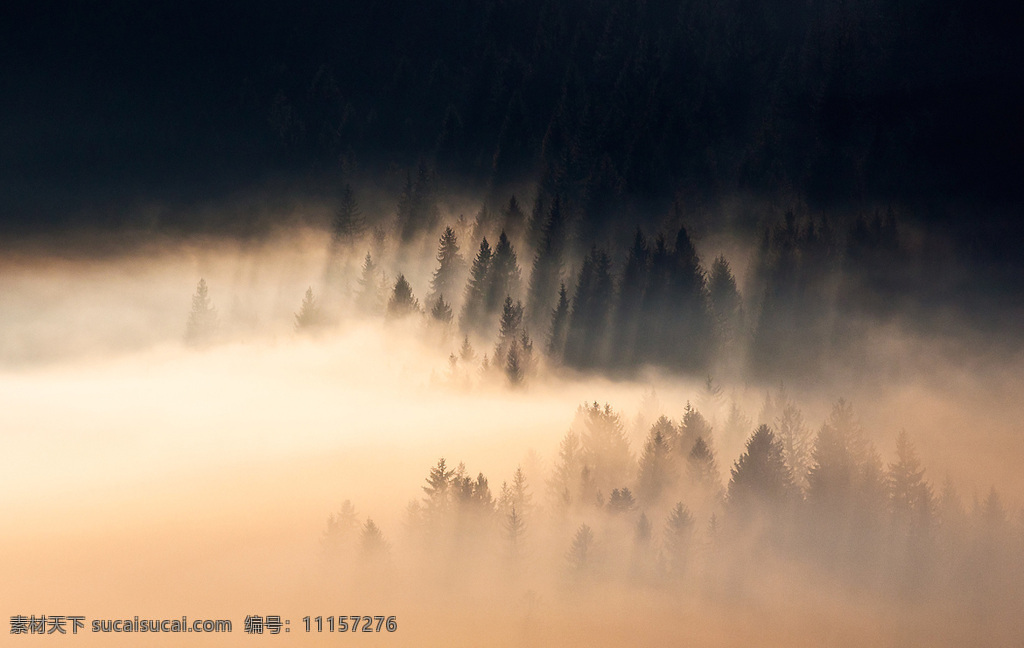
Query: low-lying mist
(372, 464)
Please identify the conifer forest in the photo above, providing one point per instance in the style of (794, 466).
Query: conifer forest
(512, 323)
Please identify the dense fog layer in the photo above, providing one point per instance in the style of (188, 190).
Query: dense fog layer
(247, 447)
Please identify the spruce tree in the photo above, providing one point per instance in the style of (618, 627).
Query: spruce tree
(559, 326)
(402, 302)
(450, 266)
(678, 539)
(368, 299)
(310, 315)
(510, 327)
(441, 311)
(202, 324)
(474, 305)
(761, 480)
(503, 277)
(547, 267)
(348, 224)
(629, 301)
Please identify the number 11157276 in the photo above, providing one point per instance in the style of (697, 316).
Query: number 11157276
(350, 623)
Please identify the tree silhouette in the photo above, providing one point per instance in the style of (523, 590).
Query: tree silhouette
(402, 302)
(547, 266)
(657, 469)
(580, 555)
(621, 501)
(503, 277)
(369, 298)
(310, 315)
(559, 326)
(347, 225)
(441, 312)
(450, 266)
(341, 527)
(372, 544)
(474, 305)
(510, 327)
(910, 496)
(202, 324)
(514, 371)
(678, 538)
(761, 481)
(605, 447)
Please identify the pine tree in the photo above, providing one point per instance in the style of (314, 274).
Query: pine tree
(503, 277)
(629, 301)
(796, 442)
(605, 447)
(450, 266)
(439, 487)
(585, 340)
(441, 311)
(348, 224)
(580, 556)
(910, 497)
(373, 546)
(690, 336)
(621, 501)
(564, 485)
(310, 316)
(510, 327)
(515, 530)
(678, 539)
(726, 307)
(702, 468)
(474, 304)
(547, 266)
(340, 529)
(559, 326)
(657, 471)
(513, 365)
(514, 221)
(202, 322)
(369, 298)
(466, 352)
(402, 302)
(760, 477)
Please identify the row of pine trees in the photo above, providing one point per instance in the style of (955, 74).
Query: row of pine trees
(825, 502)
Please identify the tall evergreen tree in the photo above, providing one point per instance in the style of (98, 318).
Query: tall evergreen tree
(347, 225)
(514, 221)
(402, 302)
(657, 469)
(559, 326)
(690, 335)
(629, 301)
(474, 304)
(726, 308)
(369, 298)
(372, 544)
(202, 324)
(510, 327)
(605, 447)
(678, 539)
(580, 556)
(761, 480)
(585, 340)
(310, 315)
(910, 496)
(503, 277)
(441, 311)
(547, 267)
(450, 266)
